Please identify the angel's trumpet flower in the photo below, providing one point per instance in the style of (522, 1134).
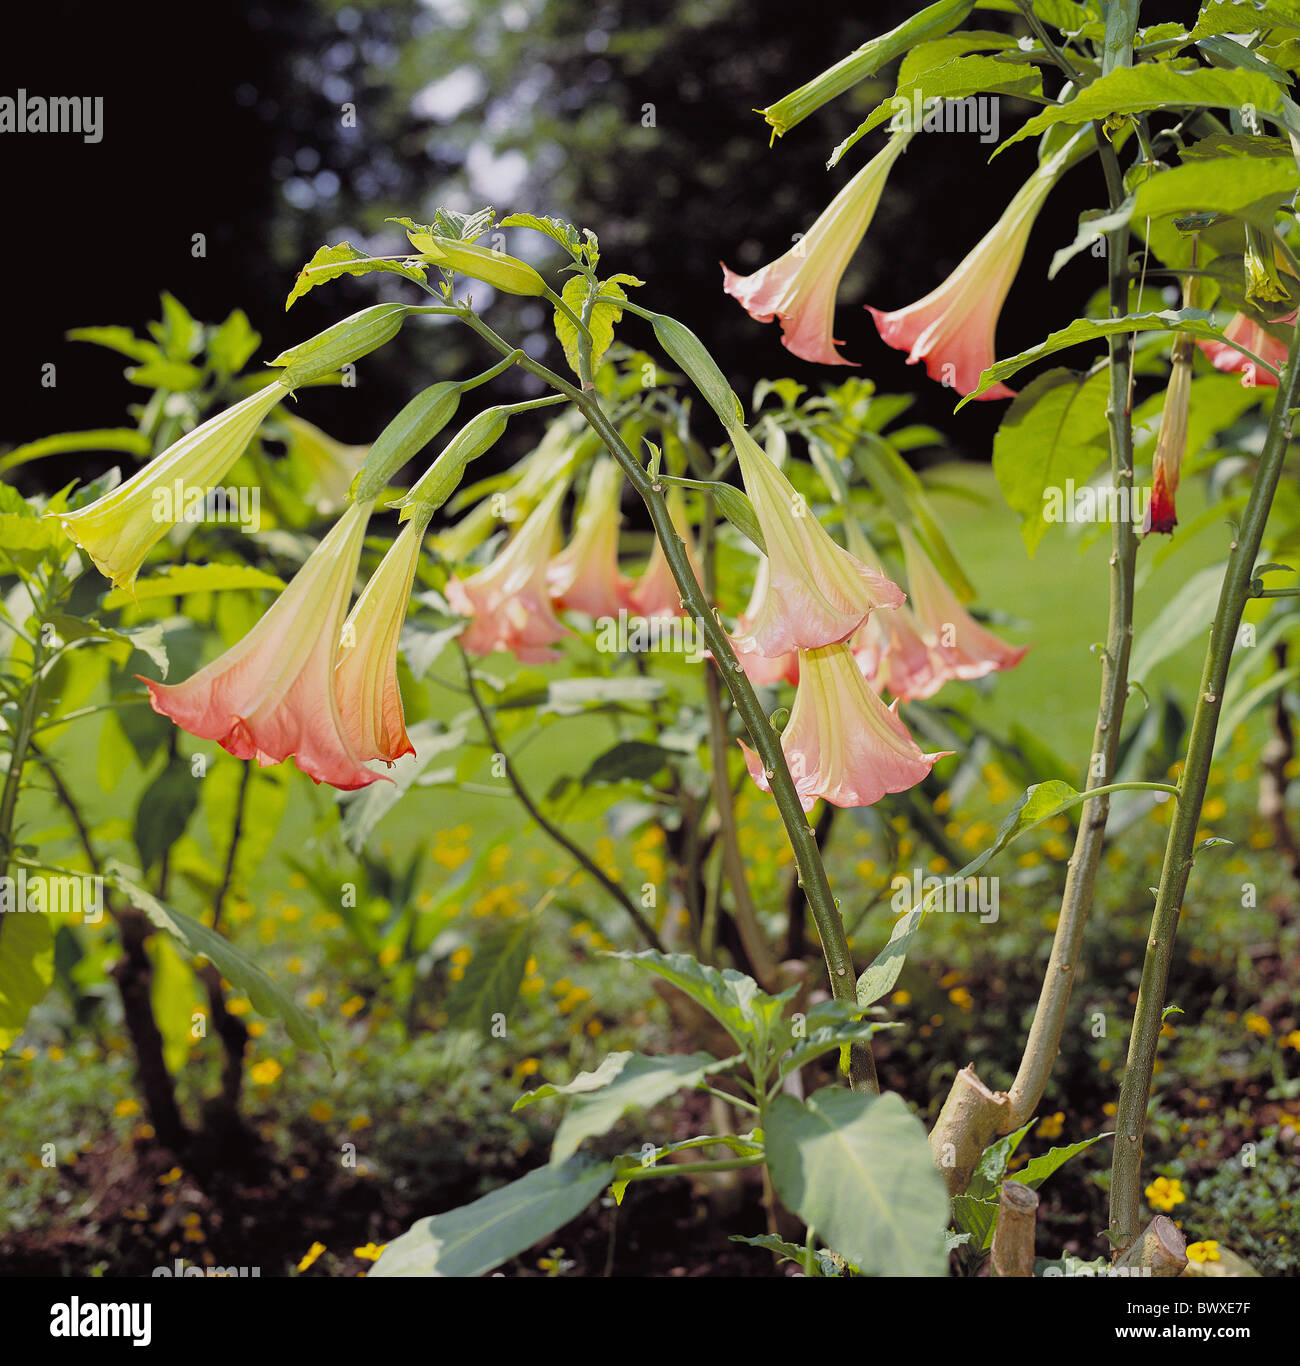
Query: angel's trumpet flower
(952, 328)
(118, 530)
(842, 743)
(816, 592)
(365, 676)
(273, 694)
(508, 603)
(331, 466)
(799, 288)
(584, 575)
(1172, 441)
(1248, 333)
(966, 648)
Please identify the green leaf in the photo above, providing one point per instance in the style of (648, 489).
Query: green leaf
(555, 228)
(344, 259)
(1225, 184)
(605, 314)
(622, 1082)
(829, 1025)
(1038, 1169)
(637, 760)
(26, 969)
(267, 996)
(164, 811)
(684, 347)
(124, 439)
(492, 977)
(1037, 804)
(119, 339)
(824, 1262)
(1054, 431)
(230, 346)
(1186, 616)
(178, 579)
(734, 1000)
(1194, 321)
(1135, 90)
(148, 638)
(1235, 18)
(858, 1169)
(739, 1145)
(992, 1165)
(954, 80)
(569, 696)
(977, 1217)
(479, 1236)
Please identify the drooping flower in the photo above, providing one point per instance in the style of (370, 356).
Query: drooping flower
(1251, 335)
(330, 465)
(816, 592)
(967, 649)
(273, 694)
(655, 593)
(952, 328)
(508, 603)
(584, 575)
(761, 671)
(842, 743)
(365, 676)
(1172, 441)
(118, 530)
(799, 288)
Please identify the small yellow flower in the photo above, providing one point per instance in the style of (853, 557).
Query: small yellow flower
(266, 1072)
(126, 1107)
(1257, 1024)
(1208, 1251)
(171, 1177)
(1163, 1194)
(370, 1252)
(239, 1006)
(901, 998)
(321, 1111)
(389, 955)
(1052, 1125)
(359, 1122)
(959, 996)
(354, 1005)
(1291, 1040)
(316, 999)
(594, 1027)
(310, 1256)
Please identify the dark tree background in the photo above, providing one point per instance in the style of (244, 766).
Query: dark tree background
(229, 120)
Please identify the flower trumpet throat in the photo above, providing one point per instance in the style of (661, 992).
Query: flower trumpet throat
(118, 530)
(842, 743)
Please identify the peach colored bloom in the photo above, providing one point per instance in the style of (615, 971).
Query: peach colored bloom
(1172, 441)
(761, 671)
(816, 593)
(799, 288)
(508, 603)
(365, 676)
(952, 328)
(1252, 336)
(842, 743)
(272, 695)
(655, 593)
(584, 576)
(967, 649)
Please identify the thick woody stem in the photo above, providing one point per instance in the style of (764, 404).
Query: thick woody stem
(968, 1122)
(1160, 1251)
(1013, 1238)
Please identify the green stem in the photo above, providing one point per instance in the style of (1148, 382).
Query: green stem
(1135, 1090)
(1044, 1041)
(730, 1164)
(23, 732)
(767, 743)
(525, 800)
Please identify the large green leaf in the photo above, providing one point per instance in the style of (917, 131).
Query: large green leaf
(344, 259)
(267, 996)
(1135, 90)
(977, 1216)
(125, 439)
(748, 1014)
(492, 977)
(858, 1169)
(992, 1166)
(606, 313)
(26, 969)
(1039, 1168)
(476, 1237)
(1195, 322)
(622, 1082)
(164, 810)
(1186, 616)
(179, 579)
(1225, 184)
(827, 1026)
(1054, 431)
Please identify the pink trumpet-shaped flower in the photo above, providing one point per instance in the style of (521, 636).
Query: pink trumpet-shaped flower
(816, 592)
(655, 593)
(584, 575)
(952, 328)
(508, 603)
(1252, 336)
(967, 649)
(799, 288)
(272, 695)
(365, 676)
(842, 743)
(761, 671)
